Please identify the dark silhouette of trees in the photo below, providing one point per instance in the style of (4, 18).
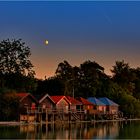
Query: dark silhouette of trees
(91, 73)
(14, 57)
(9, 105)
(65, 73)
(84, 80)
(124, 75)
(136, 92)
(52, 86)
(16, 70)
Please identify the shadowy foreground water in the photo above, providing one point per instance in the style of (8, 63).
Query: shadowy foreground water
(103, 130)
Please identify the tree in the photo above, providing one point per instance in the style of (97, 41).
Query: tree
(16, 69)
(83, 80)
(120, 72)
(55, 86)
(19, 82)
(52, 86)
(124, 75)
(64, 71)
(90, 78)
(9, 105)
(136, 92)
(14, 57)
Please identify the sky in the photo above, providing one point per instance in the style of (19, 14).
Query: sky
(103, 31)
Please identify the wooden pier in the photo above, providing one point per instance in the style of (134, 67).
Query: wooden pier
(42, 115)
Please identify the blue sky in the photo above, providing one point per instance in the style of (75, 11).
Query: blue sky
(77, 31)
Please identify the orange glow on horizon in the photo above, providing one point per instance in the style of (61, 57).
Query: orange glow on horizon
(42, 72)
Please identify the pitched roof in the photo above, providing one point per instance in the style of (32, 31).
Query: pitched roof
(24, 95)
(44, 97)
(95, 101)
(73, 100)
(107, 101)
(56, 99)
(84, 101)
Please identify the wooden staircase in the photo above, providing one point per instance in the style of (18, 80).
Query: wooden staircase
(76, 117)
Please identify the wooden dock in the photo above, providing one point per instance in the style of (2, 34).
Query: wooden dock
(52, 115)
(45, 115)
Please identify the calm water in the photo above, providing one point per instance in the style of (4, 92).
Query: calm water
(109, 130)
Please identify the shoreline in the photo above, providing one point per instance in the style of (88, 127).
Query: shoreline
(16, 123)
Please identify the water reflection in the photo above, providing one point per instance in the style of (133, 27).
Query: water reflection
(71, 131)
(112, 130)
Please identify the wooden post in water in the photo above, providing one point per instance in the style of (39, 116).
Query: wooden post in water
(46, 116)
(41, 117)
(46, 129)
(53, 117)
(69, 116)
(27, 115)
(94, 116)
(63, 115)
(35, 115)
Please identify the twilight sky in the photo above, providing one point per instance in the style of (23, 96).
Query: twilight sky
(77, 31)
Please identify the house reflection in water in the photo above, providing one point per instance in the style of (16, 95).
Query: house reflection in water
(71, 131)
(29, 130)
(107, 130)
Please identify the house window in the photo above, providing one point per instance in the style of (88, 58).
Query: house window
(78, 107)
(43, 106)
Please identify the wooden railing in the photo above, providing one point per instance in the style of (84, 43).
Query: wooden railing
(36, 110)
(52, 111)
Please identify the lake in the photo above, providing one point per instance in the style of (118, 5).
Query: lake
(102, 130)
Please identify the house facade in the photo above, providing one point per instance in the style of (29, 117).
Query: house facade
(99, 106)
(61, 103)
(28, 103)
(52, 108)
(111, 107)
(74, 105)
(46, 102)
(87, 106)
(27, 100)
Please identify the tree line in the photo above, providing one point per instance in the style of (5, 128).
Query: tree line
(86, 80)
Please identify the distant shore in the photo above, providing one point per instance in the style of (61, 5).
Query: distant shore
(13, 123)
(10, 123)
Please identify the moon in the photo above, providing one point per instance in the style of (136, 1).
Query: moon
(46, 42)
